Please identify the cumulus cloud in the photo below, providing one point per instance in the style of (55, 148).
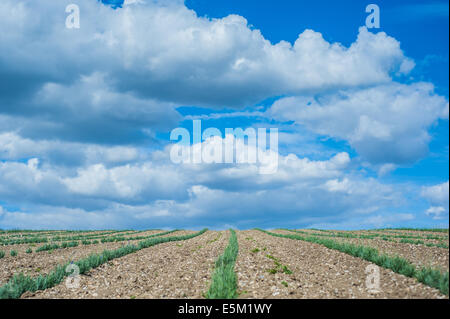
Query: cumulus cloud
(438, 197)
(167, 52)
(57, 153)
(89, 111)
(436, 194)
(158, 191)
(436, 212)
(385, 124)
(78, 107)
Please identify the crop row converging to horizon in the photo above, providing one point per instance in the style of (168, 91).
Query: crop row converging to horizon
(224, 281)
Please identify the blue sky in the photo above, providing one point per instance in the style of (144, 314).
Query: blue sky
(86, 114)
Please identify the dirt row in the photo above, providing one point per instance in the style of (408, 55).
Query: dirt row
(24, 247)
(411, 232)
(170, 270)
(390, 235)
(317, 272)
(267, 267)
(21, 248)
(43, 262)
(419, 255)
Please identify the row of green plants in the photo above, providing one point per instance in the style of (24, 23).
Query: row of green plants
(224, 279)
(54, 236)
(85, 242)
(426, 275)
(394, 230)
(31, 234)
(421, 242)
(123, 238)
(433, 230)
(21, 283)
(95, 236)
(14, 235)
(47, 247)
(45, 231)
(12, 253)
(380, 233)
(29, 231)
(406, 238)
(403, 235)
(40, 239)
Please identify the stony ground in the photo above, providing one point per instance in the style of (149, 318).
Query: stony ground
(317, 272)
(266, 267)
(40, 263)
(419, 255)
(169, 270)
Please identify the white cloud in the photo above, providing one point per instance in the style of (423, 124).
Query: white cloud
(385, 124)
(334, 185)
(70, 97)
(89, 110)
(143, 182)
(437, 194)
(167, 52)
(59, 153)
(385, 169)
(156, 191)
(436, 212)
(438, 197)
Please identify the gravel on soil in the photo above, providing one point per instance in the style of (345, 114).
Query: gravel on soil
(418, 255)
(169, 270)
(40, 263)
(317, 272)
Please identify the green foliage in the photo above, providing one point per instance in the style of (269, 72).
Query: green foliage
(29, 251)
(20, 283)
(434, 230)
(68, 244)
(278, 266)
(224, 279)
(2, 254)
(428, 276)
(391, 238)
(270, 257)
(30, 237)
(215, 239)
(433, 278)
(47, 247)
(286, 270)
(13, 253)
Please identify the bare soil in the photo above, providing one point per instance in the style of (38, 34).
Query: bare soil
(170, 270)
(317, 272)
(419, 255)
(266, 267)
(43, 262)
